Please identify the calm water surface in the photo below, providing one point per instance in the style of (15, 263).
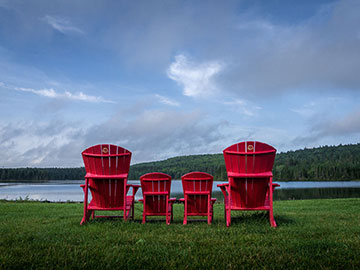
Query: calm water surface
(62, 191)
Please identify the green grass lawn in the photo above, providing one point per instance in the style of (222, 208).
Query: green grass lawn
(311, 234)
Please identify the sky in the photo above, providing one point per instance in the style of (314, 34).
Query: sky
(171, 78)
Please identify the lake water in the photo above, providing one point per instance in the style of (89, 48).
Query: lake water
(62, 191)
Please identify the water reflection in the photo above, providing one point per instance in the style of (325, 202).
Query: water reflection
(316, 193)
(60, 191)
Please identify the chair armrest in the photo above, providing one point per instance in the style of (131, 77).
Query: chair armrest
(83, 186)
(275, 185)
(182, 200)
(134, 188)
(141, 200)
(172, 200)
(224, 189)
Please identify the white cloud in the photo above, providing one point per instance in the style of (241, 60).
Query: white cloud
(51, 93)
(255, 25)
(197, 79)
(30, 143)
(319, 52)
(325, 128)
(245, 107)
(62, 25)
(306, 110)
(167, 101)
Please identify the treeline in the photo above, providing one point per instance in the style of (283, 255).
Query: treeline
(327, 163)
(39, 174)
(332, 163)
(178, 166)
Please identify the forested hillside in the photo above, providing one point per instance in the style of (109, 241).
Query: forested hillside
(327, 163)
(42, 174)
(332, 163)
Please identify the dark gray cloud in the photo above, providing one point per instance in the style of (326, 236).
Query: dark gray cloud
(322, 51)
(324, 128)
(149, 133)
(262, 56)
(153, 134)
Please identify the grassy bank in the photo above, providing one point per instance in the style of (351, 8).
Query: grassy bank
(320, 234)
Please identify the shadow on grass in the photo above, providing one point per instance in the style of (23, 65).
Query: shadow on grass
(260, 217)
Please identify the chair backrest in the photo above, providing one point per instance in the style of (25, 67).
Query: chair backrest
(249, 158)
(249, 168)
(198, 187)
(155, 186)
(112, 163)
(197, 182)
(155, 182)
(106, 159)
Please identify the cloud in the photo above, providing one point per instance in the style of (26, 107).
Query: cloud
(62, 25)
(167, 101)
(321, 52)
(347, 126)
(245, 107)
(306, 110)
(149, 134)
(51, 93)
(30, 143)
(197, 79)
(154, 134)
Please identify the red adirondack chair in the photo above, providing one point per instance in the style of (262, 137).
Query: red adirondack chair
(156, 196)
(250, 187)
(197, 187)
(107, 168)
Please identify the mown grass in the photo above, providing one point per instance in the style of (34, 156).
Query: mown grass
(311, 234)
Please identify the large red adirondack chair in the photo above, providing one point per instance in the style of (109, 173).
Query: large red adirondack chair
(197, 187)
(156, 196)
(250, 187)
(107, 168)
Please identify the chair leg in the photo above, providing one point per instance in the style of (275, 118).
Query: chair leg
(185, 220)
(86, 216)
(185, 211)
(83, 220)
(93, 214)
(144, 218)
(85, 189)
(167, 219)
(228, 217)
(209, 210)
(271, 218)
(271, 212)
(132, 210)
(212, 213)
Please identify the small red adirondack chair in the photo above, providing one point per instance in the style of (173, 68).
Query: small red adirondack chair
(250, 187)
(197, 188)
(156, 196)
(107, 168)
